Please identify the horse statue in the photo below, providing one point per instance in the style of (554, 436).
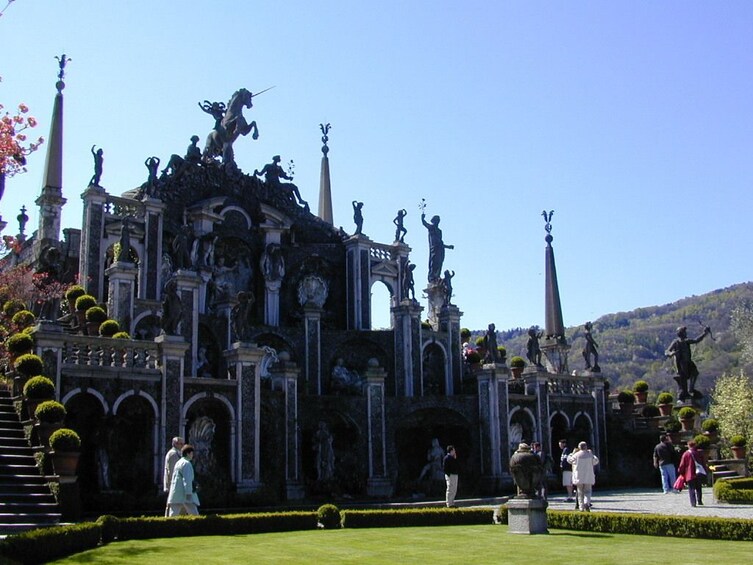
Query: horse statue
(229, 123)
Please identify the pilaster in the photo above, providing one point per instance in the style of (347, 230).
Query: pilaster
(285, 377)
(121, 277)
(92, 252)
(188, 285)
(150, 285)
(449, 322)
(378, 483)
(358, 282)
(172, 351)
(312, 315)
(407, 336)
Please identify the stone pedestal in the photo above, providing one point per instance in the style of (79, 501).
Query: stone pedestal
(527, 516)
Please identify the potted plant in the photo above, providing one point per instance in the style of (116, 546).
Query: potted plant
(737, 445)
(710, 427)
(473, 359)
(83, 303)
(640, 389)
(122, 335)
(18, 344)
(687, 418)
(12, 306)
(109, 328)
(36, 390)
(626, 400)
(72, 294)
(517, 364)
(664, 401)
(502, 353)
(23, 319)
(50, 415)
(26, 366)
(672, 426)
(66, 447)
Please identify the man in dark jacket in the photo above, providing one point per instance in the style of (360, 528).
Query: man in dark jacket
(566, 469)
(664, 460)
(451, 471)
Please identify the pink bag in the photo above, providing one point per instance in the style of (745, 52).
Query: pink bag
(679, 483)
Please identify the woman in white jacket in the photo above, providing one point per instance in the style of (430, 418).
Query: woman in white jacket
(583, 462)
(182, 498)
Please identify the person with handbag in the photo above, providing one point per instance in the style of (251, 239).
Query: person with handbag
(693, 470)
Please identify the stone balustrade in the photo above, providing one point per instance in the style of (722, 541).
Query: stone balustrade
(83, 351)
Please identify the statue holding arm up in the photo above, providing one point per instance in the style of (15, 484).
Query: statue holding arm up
(687, 372)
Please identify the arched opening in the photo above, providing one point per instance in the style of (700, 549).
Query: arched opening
(522, 428)
(582, 430)
(131, 446)
(381, 302)
(434, 375)
(208, 431)
(332, 456)
(85, 415)
(559, 430)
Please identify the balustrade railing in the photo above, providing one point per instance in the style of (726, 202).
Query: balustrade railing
(102, 352)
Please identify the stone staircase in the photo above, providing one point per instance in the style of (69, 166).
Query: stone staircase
(727, 469)
(25, 499)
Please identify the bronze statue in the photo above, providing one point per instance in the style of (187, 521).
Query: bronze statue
(172, 310)
(490, 344)
(272, 173)
(358, 216)
(400, 230)
(447, 281)
(240, 316)
(436, 247)
(98, 165)
(409, 290)
(124, 254)
(229, 123)
(687, 372)
(591, 349)
(533, 350)
(152, 165)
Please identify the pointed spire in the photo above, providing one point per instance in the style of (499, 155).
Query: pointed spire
(555, 327)
(51, 199)
(325, 189)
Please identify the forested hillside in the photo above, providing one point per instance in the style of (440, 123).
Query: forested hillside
(632, 344)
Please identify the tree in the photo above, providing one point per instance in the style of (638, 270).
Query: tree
(742, 328)
(732, 405)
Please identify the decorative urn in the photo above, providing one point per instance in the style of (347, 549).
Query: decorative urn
(527, 471)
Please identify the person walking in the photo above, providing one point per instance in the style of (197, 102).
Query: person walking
(664, 460)
(566, 469)
(693, 470)
(171, 458)
(451, 472)
(182, 498)
(583, 462)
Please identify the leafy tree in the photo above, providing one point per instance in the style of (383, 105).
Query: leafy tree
(742, 327)
(732, 405)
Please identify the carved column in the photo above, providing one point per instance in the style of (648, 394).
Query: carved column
(538, 379)
(407, 336)
(188, 285)
(378, 483)
(449, 322)
(244, 364)
(150, 266)
(600, 419)
(493, 410)
(92, 252)
(272, 302)
(358, 282)
(121, 277)
(172, 351)
(285, 377)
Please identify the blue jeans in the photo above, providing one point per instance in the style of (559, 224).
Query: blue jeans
(668, 477)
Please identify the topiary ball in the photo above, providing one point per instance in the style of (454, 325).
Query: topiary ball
(23, 318)
(109, 328)
(29, 365)
(65, 439)
(50, 412)
(19, 343)
(39, 388)
(328, 515)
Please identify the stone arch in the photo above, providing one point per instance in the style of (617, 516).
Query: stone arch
(527, 430)
(559, 426)
(132, 442)
(355, 355)
(583, 428)
(209, 425)
(237, 209)
(212, 364)
(413, 439)
(86, 415)
(145, 326)
(435, 370)
(380, 304)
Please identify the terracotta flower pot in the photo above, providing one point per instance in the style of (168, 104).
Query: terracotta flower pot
(641, 397)
(738, 452)
(665, 409)
(687, 424)
(65, 462)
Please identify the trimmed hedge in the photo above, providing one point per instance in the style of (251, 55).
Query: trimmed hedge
(328, 516)
(734, 490)
(652, 525)
(417, 517)
(46, 544)
(214, 525)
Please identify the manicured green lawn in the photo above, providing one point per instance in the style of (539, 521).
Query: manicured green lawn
(456, 545)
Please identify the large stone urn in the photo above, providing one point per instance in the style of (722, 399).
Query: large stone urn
(526, 513)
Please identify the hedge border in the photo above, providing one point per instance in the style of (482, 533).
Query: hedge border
(734, 490)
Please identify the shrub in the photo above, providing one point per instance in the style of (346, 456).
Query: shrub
(672, 425)
(737, 441)
(110, 526)
(39, 388)
(23, 318)
(502, 352)
(625, 397)
(650, 411)
(710, 425)
(74, 292)
(19, 343)
(328, 515)
(65, 440)
(686, 413)
(473, 357)
(84, 302)
(734, 490)
(465, 334)
(122, 335)
(29, 365)
(108, 328)
(517, 362)
(640, 386)
(95, 314)
(12, 306)
(416, 517)
(665, 398)
(48, 544)
(50, 412)
(702, 441)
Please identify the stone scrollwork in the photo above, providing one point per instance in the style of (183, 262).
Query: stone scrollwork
(313, 290)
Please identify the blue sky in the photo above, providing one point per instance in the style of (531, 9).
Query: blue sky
(631, 120)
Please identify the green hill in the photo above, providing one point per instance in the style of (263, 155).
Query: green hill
(632, 344)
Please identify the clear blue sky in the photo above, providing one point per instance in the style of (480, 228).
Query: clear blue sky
(632, 120)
